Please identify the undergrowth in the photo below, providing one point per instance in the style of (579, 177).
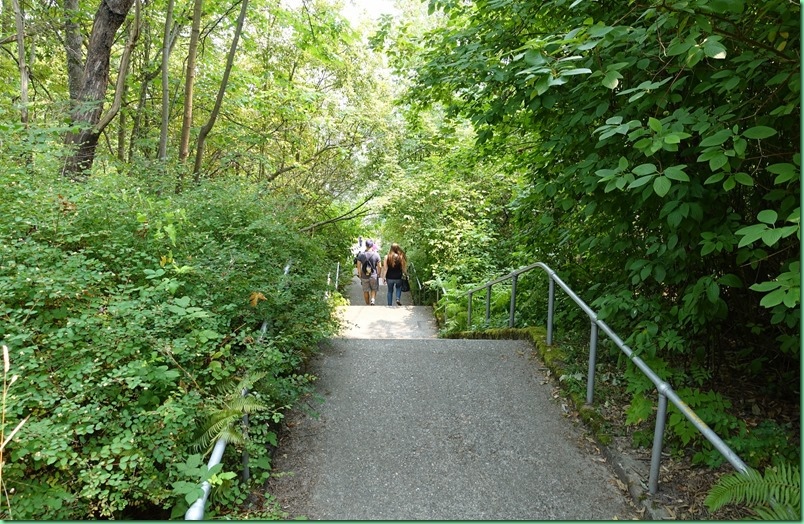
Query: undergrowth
(129, 317)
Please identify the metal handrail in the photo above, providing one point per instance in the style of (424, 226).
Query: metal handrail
(440, 287)
(197, 509)
(412, 269)
(664, 390)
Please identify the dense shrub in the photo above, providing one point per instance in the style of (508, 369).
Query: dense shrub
(129, 317)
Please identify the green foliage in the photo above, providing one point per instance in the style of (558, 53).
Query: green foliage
(766, 444)
(611, 108)
(776, 495)
(129, 317)
(450, 218)
(658, 148)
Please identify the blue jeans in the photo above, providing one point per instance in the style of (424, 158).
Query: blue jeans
(394, 283)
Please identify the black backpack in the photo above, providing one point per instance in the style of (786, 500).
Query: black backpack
(366, 267)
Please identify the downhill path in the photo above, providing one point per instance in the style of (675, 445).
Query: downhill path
(413, 427)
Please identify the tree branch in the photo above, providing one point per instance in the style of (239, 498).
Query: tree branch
(349, 215)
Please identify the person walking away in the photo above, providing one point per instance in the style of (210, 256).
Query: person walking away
(396, 265)
(368, 268)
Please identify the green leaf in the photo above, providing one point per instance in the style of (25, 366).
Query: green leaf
(713, 48)
(744, 179)
(785, 171)
(654, 124)
(611, 80)
(773, 299)
(679, 48)
(768, 216)
(712, 291)
(182, 301)
(717, 139)
(644, 169)
(639, 182)
(718, 161)
(765, 286)
(727, 6)
(576, 71)
(759, 132)
(730, 280)
(677, 173)
(771, 236)
(750, 234)
(661, 185)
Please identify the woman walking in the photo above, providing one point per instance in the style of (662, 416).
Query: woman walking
(395, 266)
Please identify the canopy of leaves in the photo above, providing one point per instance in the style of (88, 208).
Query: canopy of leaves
(660, 146)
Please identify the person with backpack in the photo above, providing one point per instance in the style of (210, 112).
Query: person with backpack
(396, 268)
(368, 269)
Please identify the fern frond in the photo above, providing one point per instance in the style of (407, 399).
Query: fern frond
(777, 512)
(735, 488)
(224, 418)
(246, 405)
(776, 494)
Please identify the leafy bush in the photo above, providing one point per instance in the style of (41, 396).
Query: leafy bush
(127, 317)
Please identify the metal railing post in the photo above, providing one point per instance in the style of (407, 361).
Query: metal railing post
(512, 308)
(488, 304)
(658, 436)
(551, 300)
(590, 378)
(469, 314)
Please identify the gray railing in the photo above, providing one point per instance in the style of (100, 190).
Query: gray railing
(337, 277)
(197, 509)
(419, 286)
(440, 291)
(664, 390)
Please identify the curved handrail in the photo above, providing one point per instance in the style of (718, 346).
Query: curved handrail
(663, 388)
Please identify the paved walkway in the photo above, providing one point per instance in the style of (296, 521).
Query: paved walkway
(413, 427)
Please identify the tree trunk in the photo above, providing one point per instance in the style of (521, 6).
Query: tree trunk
(20, 24)
(72, 46)
(163, 135)
(202, 135)
(187, 119)
(145, 87)
(125, 60)
(110, 16)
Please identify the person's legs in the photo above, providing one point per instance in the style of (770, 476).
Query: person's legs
(393, 283)
(366, 286)
(399, 293)
(374, 285)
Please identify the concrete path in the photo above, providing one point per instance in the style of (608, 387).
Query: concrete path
(413, 427)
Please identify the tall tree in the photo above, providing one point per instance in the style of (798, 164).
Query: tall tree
(163, 136)
(20, 25)
(206, 128)
(73, 42)
(109, 17)
(661, 146)
(189, 86)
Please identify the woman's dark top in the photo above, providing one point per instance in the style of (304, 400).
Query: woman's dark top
(394, 272)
